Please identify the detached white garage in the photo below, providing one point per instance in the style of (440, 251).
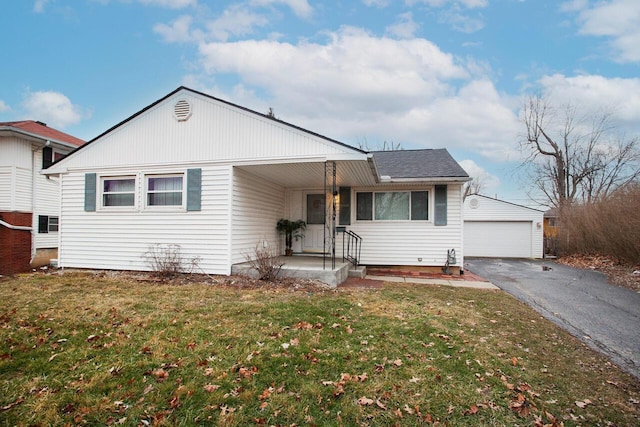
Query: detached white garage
(498, 229)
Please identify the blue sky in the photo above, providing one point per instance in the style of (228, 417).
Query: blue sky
(422, 73)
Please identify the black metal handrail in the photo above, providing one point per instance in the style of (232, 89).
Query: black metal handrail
(354, 246)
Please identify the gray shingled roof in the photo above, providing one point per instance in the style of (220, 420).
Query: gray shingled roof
(432, 163)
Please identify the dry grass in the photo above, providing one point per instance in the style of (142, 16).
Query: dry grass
(93, 349)
(609, 227)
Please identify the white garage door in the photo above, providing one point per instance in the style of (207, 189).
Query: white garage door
(503, 239)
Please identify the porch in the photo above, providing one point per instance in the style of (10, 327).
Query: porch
(308, 267)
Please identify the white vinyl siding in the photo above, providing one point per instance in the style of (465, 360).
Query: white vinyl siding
(219, 132)
(257, 207)
(118, 239)
(47, 202)
(400, 242)
(495, 228)
(6, 188)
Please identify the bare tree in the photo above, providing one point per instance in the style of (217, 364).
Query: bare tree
(475, 186)
(575, 158)
(385, 146)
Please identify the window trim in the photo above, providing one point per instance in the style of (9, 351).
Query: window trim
(183, 191)
(101, 192)
(373, 206)
(48, 219)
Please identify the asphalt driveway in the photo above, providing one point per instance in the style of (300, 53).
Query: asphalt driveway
(605, 317)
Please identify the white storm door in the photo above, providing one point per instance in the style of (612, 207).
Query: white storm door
(313, 240)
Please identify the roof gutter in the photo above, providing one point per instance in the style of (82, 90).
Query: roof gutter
(374, 167)
(15, 227)
(388, 179)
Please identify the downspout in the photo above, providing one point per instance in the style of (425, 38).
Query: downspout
(15, 227)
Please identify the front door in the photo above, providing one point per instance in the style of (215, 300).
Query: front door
(316, 213)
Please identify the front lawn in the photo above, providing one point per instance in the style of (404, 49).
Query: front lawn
(83, 348)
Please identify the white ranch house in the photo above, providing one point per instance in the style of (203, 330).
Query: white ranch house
(214, 178)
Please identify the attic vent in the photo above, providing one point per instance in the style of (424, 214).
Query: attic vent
(473, 203)
(182, 110)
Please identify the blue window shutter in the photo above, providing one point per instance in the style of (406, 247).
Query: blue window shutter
(194, 189)
(440, 205)
(90, 192)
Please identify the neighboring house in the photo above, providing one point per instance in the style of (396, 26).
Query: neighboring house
(29, 201)
(215, 178)
(550, 228)
(495, 228)
(551, 223)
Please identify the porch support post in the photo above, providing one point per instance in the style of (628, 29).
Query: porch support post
(324, 228)
(330, 188)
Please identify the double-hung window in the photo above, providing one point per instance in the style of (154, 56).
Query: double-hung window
(165, 190)
(392, 206)
(48, 224)
(118, 191)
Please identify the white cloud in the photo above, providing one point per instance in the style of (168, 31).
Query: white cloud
(489, 183)
(178, 31)
(53, 108)
(300, 7)
(460, 21)
(376, 3)
(574, 5)
(405, 28)
(171, 4)
(38, 6)
(593, 93)
(618, 20)
(471, 4)
(236, 20)
(4, 107)
(359, 86)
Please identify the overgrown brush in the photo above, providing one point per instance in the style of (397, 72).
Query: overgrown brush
(610, 227)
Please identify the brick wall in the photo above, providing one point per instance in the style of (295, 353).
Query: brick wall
(15, 245)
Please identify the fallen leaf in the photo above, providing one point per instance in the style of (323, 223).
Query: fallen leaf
(210, 388)
(380, 405)
(583, 404)
(397, 362)
(160, 374)
(265, 394)
(365, 401)
(11, 405)
(473, 409)
(303, 325)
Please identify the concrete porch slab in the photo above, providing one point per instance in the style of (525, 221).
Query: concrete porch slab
(303, 267)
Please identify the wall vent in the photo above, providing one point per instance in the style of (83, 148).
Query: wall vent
(474, 203)
(182, 110)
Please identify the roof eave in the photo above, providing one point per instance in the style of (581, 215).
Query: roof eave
(35, 136)
(387, 179)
